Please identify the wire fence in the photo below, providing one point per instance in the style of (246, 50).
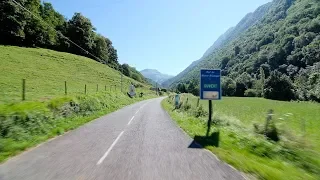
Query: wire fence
(34, 90)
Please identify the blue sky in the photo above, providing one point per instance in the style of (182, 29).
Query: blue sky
(166, 35)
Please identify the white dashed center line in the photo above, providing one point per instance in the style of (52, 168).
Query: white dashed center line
(110, 148)
(130, 120)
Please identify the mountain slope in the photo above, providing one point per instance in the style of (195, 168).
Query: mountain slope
(155, 75)
(248, 21)
(284, 43)
(46, 71)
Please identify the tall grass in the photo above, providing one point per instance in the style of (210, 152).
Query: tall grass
(295, 156)
(25, 124)
(47, 111)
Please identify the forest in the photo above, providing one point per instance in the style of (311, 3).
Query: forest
(277, 58)
(40, 25)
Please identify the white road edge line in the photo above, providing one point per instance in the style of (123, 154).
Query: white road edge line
(108, 151)
(130, 120)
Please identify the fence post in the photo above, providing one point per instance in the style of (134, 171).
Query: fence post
(65, 87)
(85, 89)
(105, 87)
(23, 89)
(198, 102)
(97, 87)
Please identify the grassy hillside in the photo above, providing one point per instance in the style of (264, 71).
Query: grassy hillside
(45, 72)
(47, 111)
(236, 141)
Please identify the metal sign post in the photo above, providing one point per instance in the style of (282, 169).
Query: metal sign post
(210, 89)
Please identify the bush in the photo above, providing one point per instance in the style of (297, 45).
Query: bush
(252, 93)
(164, 90)
(279, 87)
(228, 86)
(186, 106)
(200, 112)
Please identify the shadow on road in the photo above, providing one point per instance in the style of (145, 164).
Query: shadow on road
(203, 141)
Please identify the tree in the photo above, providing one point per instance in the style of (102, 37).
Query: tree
(193, 88)
(100, 49)
(236, 50)
(112, 54)
(262, 80)
(136, 77)
(126, 70)
(224, 62)
(279, 87)
(12, 20)
(181, 88)
(80, 31)
(35, 30)
(55, 21)
(243, 82)
(228, 86)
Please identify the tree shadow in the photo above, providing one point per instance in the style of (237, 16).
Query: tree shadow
(203, 141)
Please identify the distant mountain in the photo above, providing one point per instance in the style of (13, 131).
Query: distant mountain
(248, 21)
(153, 83)
(155, 75)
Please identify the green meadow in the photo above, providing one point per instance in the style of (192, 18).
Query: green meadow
(236, 138)
(47, 111)
(46, 71)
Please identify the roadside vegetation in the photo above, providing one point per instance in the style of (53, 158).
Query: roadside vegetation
(25, 124)
(93, 90)
(280, 144)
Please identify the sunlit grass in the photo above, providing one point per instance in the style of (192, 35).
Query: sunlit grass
(250, 152)
(47, 111)
(46, 71)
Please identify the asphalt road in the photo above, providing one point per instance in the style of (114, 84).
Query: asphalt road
(139, 141)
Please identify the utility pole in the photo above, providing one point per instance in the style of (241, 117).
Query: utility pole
(121, 78)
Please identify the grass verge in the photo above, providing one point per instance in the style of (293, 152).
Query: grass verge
(234, 140)
(26, 124)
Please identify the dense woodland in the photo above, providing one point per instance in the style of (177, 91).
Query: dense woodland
(277, 58)
(51, 30)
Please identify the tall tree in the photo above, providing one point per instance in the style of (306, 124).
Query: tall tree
(80, 31)
(262, 79)
(278, 87)
(12, 22)
(100, 49)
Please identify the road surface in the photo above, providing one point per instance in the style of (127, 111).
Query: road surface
(139, 141)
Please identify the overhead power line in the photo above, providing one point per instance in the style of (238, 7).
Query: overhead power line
(58, 32)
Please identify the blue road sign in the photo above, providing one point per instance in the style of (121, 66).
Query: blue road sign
(210, 84)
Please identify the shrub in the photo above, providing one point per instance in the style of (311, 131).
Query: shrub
(252, 93)
(186, 106)
(269, 129)
(278, 87)
(199, 112)
(228, 86)
(164, 90)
